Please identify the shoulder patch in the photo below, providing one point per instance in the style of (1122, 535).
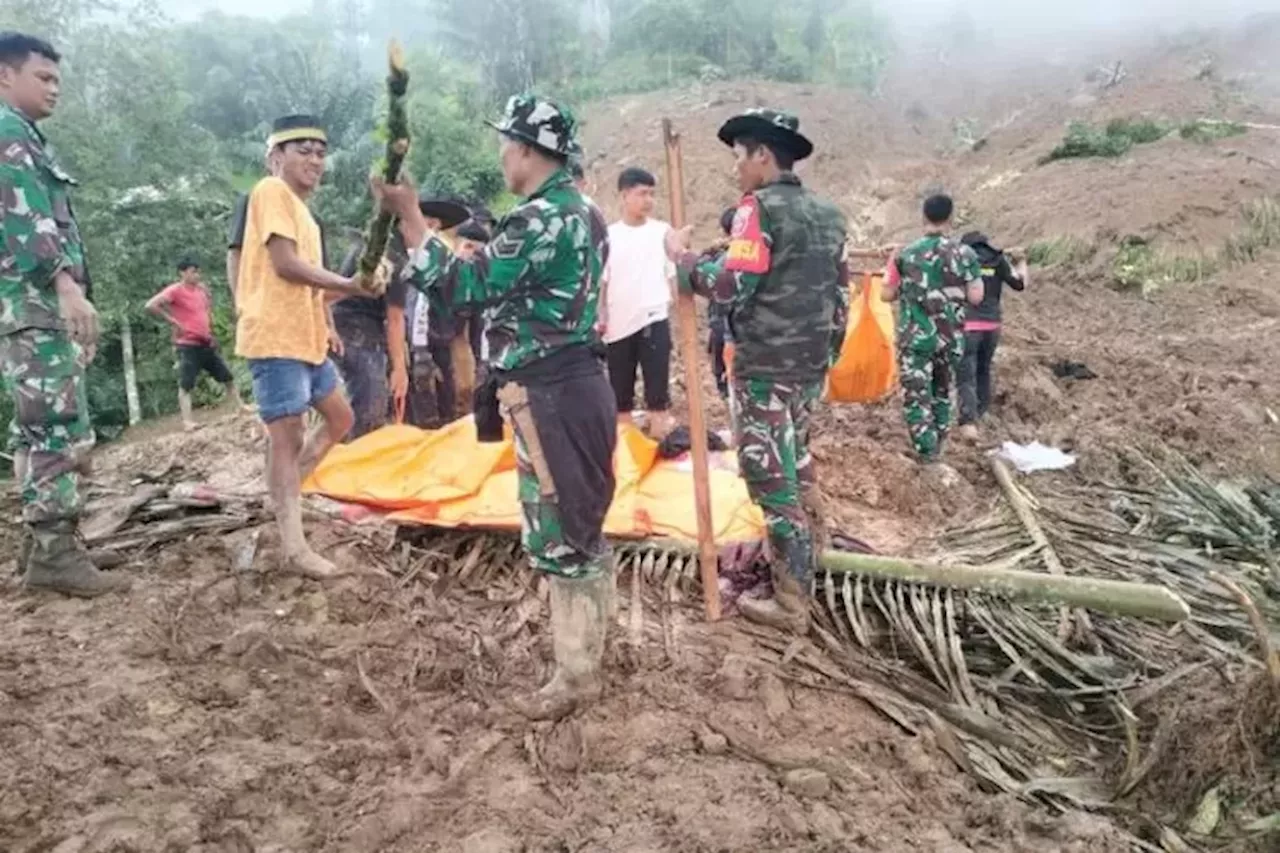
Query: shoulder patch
(510, 238)
(748, 251)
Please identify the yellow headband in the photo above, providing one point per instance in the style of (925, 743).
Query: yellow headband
(295, 134)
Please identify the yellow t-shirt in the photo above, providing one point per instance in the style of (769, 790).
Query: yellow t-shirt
(278, 318)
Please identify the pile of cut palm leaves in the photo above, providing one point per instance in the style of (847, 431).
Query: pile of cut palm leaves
(1066, 707)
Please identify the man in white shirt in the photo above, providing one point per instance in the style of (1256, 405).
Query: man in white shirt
(636, 304)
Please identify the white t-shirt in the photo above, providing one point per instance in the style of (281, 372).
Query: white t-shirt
(638, 273)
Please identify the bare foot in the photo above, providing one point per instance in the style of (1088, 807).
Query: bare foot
(310, 564)
(969, 432)
(190, 426)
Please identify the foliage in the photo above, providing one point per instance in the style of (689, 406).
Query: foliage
(1060, 251)
(163, 121)
(1202, 130)
(1114, 140)
(1140, 267)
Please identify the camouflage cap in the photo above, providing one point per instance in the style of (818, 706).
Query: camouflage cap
(773, 126)
(541, 123)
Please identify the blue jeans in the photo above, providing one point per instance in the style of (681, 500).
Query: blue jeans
(286, 387)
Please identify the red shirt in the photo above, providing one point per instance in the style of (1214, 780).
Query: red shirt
(189, 307)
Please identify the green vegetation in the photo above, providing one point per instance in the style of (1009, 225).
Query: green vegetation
(1121, 134)
(1114, 140)
(1138, 266)
(1061, 251)
(1205, 131)
(163, 122)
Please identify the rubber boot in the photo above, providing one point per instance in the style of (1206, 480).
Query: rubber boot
(25, 546)
(579, 625)
(815, 508)
(20, 462)
(59, 563)
(788, 610)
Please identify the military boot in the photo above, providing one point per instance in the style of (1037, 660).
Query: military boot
(579, 626)
(815, 509)
(788, 610)
(60, 563)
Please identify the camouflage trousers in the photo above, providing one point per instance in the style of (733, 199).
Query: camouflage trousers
(562, 518)
(927, 369)
(773, 457)
(50, 435)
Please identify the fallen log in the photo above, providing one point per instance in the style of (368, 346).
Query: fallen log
(1119, 598)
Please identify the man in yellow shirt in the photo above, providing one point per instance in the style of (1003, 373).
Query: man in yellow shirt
(283, 327)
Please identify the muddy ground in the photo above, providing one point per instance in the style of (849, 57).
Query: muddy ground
(212, 711)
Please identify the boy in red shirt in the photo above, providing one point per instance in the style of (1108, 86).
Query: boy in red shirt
(185, 304)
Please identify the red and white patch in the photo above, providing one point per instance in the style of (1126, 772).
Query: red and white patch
(748, 252)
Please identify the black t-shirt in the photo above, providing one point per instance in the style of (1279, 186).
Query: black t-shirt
(355, 307)
(240, 217)
(996, 272)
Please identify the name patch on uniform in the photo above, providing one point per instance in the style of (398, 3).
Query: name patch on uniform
(748, 251)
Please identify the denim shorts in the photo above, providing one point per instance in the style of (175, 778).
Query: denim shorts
(286, 387)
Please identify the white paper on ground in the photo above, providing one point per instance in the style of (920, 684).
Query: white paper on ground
(1035, 456)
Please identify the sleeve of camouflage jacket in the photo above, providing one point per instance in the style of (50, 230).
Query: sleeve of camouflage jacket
(732, 279)
(840, 320)
(486, 277)
(31, 234)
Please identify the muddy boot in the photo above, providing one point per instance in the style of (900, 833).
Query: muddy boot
(815, 508)
(788, 610)
(579, 625)
(25, 546)
(58, 562)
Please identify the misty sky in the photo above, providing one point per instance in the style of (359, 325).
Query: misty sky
(1023, 16)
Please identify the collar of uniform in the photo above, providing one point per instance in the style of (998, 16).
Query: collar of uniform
(559, 178)
(786, 178)
(28, 123)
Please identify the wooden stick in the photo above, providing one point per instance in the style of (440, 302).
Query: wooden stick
(1051, 560)
(1121, 598)
(688, 326)
(1270, 656)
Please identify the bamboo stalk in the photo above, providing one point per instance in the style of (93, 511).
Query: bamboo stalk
(1052, 562)
(688, 323)
(397, 132)
(1120, 598)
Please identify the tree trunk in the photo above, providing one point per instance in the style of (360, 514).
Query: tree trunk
(130, 372)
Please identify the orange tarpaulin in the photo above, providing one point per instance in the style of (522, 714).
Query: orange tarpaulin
(445, 478)
(867, 370)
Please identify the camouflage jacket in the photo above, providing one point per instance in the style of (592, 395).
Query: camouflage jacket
(783, 283)
(537, 282)
(41, 237)
(934, 271)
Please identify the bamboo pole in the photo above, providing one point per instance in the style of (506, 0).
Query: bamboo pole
(1052, 562)
(397, 133)
(1120, 598)
(688, 328)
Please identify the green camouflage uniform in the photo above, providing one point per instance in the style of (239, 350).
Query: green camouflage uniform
(935, 271)
(783, 287)
(537, 283)
(50, 433)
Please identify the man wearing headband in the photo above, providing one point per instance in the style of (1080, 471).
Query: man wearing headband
(784, 281)
(538, 281)
(283, 327)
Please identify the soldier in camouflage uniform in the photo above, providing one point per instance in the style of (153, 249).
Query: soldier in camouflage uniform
(931, 280)
(48, 328)
(783, 285)
(538, 281)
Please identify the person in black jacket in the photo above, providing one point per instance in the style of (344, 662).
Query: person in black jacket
(982, 329)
